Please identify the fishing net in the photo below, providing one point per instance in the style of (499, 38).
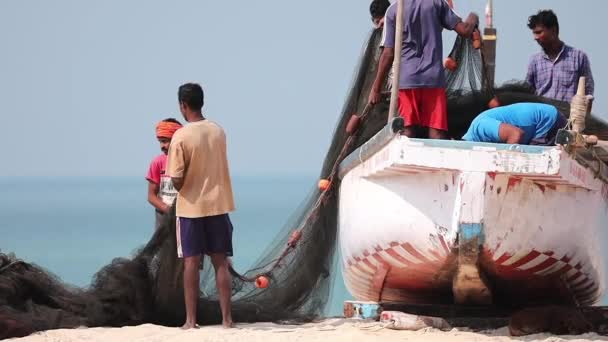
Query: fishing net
(299, 263)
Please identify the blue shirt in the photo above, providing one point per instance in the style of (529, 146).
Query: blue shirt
(422, 48)
(535, 119)
(559, 79)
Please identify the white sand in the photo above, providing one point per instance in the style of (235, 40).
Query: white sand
(327, 331)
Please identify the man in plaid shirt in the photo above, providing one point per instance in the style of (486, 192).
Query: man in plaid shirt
(555, 71)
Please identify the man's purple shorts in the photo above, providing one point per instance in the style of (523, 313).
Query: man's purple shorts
(204, 235)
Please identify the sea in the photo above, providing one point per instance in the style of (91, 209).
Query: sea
(74, 226)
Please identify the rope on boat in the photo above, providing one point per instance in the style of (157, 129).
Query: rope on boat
(313, 214)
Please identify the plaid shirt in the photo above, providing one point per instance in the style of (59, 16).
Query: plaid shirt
(559, 79)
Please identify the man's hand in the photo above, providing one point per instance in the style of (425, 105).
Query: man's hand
(473, 19)
(384, 65)
(374, 97)
(466, 28)
(166, 209)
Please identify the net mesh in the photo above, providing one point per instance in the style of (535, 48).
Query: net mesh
(147, 288)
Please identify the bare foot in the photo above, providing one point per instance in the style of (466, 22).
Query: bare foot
(228, 324)
(188, 326)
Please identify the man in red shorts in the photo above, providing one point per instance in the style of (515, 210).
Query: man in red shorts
(422, 98)
(198, 167)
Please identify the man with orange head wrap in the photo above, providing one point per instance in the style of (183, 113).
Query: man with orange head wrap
(161, 192)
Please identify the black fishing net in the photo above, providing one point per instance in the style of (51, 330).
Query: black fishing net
(299, 263)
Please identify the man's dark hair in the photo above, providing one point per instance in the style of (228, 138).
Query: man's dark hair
(192, 95)
(172, 120)
(378, 8)
(546, 18)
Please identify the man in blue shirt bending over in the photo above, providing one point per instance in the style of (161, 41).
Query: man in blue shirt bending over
(520, 123)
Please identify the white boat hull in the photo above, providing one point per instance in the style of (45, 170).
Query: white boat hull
(536, 219)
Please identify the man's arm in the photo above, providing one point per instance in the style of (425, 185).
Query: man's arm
(586, 72)
(510, 134)
(466, 28)
(176, 164)
(384, 65)
(387, 56)
(531, 74)
(178, 183)
(153, 198)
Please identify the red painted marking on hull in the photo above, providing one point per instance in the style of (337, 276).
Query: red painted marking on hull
(580, 283)
(541, 187)
(574, 277)
(542, 266)
(503, 258)
(563, 270)
(436, 254)
(398, 256)
(586, 288)
(379, 258)
(370, 265)
(513, 181)
(531, 256)
(362, 270)
(410, 249)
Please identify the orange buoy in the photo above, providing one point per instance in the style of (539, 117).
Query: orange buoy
(476, 39)
(494, 102)
(294, 238)
(450, 64)
(353, 124)
(324, 184)
(262, 282)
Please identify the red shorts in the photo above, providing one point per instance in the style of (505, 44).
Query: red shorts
(426, 107)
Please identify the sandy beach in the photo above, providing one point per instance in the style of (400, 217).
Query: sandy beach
(328, 330)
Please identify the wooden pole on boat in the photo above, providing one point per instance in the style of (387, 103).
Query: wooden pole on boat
(489, 45)
(396, 62)
(579, 106)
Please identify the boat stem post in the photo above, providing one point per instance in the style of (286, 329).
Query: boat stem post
(468, 286)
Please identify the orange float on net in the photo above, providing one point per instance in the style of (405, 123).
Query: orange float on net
(494, 102)
(450, 64)
(262, 282)
(353, 124)
(324, 184)
(294, 238)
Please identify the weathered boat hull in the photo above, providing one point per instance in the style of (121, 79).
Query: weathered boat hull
(529, 220)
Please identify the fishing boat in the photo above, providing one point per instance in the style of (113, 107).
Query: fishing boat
(443, 221)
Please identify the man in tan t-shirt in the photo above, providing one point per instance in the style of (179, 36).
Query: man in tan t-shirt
(198, 167)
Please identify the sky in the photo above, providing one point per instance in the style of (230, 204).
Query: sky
(83, 83)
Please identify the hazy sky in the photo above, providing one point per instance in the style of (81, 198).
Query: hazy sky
(82, 83)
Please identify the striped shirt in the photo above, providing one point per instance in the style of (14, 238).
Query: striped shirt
(559, 79)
